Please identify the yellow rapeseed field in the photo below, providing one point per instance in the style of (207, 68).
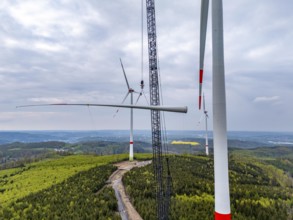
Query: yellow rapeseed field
(185, 142)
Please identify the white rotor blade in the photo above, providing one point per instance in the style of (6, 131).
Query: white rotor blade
(148, 107)
(203, 31)
(204, 105)
(140, 94)
(121, 103)
(124, 74)
(145, 97)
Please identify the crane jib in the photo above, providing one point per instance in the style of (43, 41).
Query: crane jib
(162, 194)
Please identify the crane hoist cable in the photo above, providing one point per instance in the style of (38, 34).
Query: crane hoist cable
(142, 42)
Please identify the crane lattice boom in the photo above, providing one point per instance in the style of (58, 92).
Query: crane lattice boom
(163, 197)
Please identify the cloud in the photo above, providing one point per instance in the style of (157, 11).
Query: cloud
(15, 116)
(46, 100)
(257, 53)
(69, 50)
(35, 45)
(51, 47)
(53, 18)
(266, 99)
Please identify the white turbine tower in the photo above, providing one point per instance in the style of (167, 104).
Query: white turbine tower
(222, 194)
(206, 126)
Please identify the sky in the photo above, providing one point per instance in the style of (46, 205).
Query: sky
(68, 51)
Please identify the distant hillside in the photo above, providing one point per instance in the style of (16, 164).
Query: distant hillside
(244, 137)
(267, 152)
(280, 157)
(16, 153)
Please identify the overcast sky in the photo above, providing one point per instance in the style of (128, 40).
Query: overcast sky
(68, 51)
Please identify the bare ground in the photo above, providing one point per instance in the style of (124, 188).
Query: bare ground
(126, 209)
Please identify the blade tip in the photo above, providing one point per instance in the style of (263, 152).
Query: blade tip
(199, 102)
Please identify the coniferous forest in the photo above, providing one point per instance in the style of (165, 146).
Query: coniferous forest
(261, 187)
(82, 196)
(258, 191)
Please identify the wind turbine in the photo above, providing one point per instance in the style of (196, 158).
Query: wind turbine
(206, 126)
(222, 194)
(130, 91)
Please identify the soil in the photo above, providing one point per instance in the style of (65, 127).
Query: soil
(126, 209)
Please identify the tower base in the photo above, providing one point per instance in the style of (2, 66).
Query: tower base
(219, 216)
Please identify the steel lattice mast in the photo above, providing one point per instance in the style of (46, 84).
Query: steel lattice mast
(162, 196)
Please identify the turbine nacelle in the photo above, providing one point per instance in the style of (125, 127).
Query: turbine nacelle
(142, 84)
(130, 90)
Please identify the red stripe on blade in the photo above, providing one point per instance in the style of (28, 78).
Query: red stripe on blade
(200, 76)
(131, 142)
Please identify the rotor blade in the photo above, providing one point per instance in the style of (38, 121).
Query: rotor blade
(124, 74)
(147, 107)
(204, 105)
(121, 103)
(145, 97)
(203, 31)
(140, 94)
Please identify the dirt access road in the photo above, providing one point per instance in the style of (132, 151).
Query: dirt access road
(126, 209)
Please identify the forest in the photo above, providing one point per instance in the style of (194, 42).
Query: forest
(82, 196)
(16, 154)
(32, 177)
(76, 187)
(258, 190)
(68, 187)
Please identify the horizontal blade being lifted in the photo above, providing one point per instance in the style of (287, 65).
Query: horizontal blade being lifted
(149, 107)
